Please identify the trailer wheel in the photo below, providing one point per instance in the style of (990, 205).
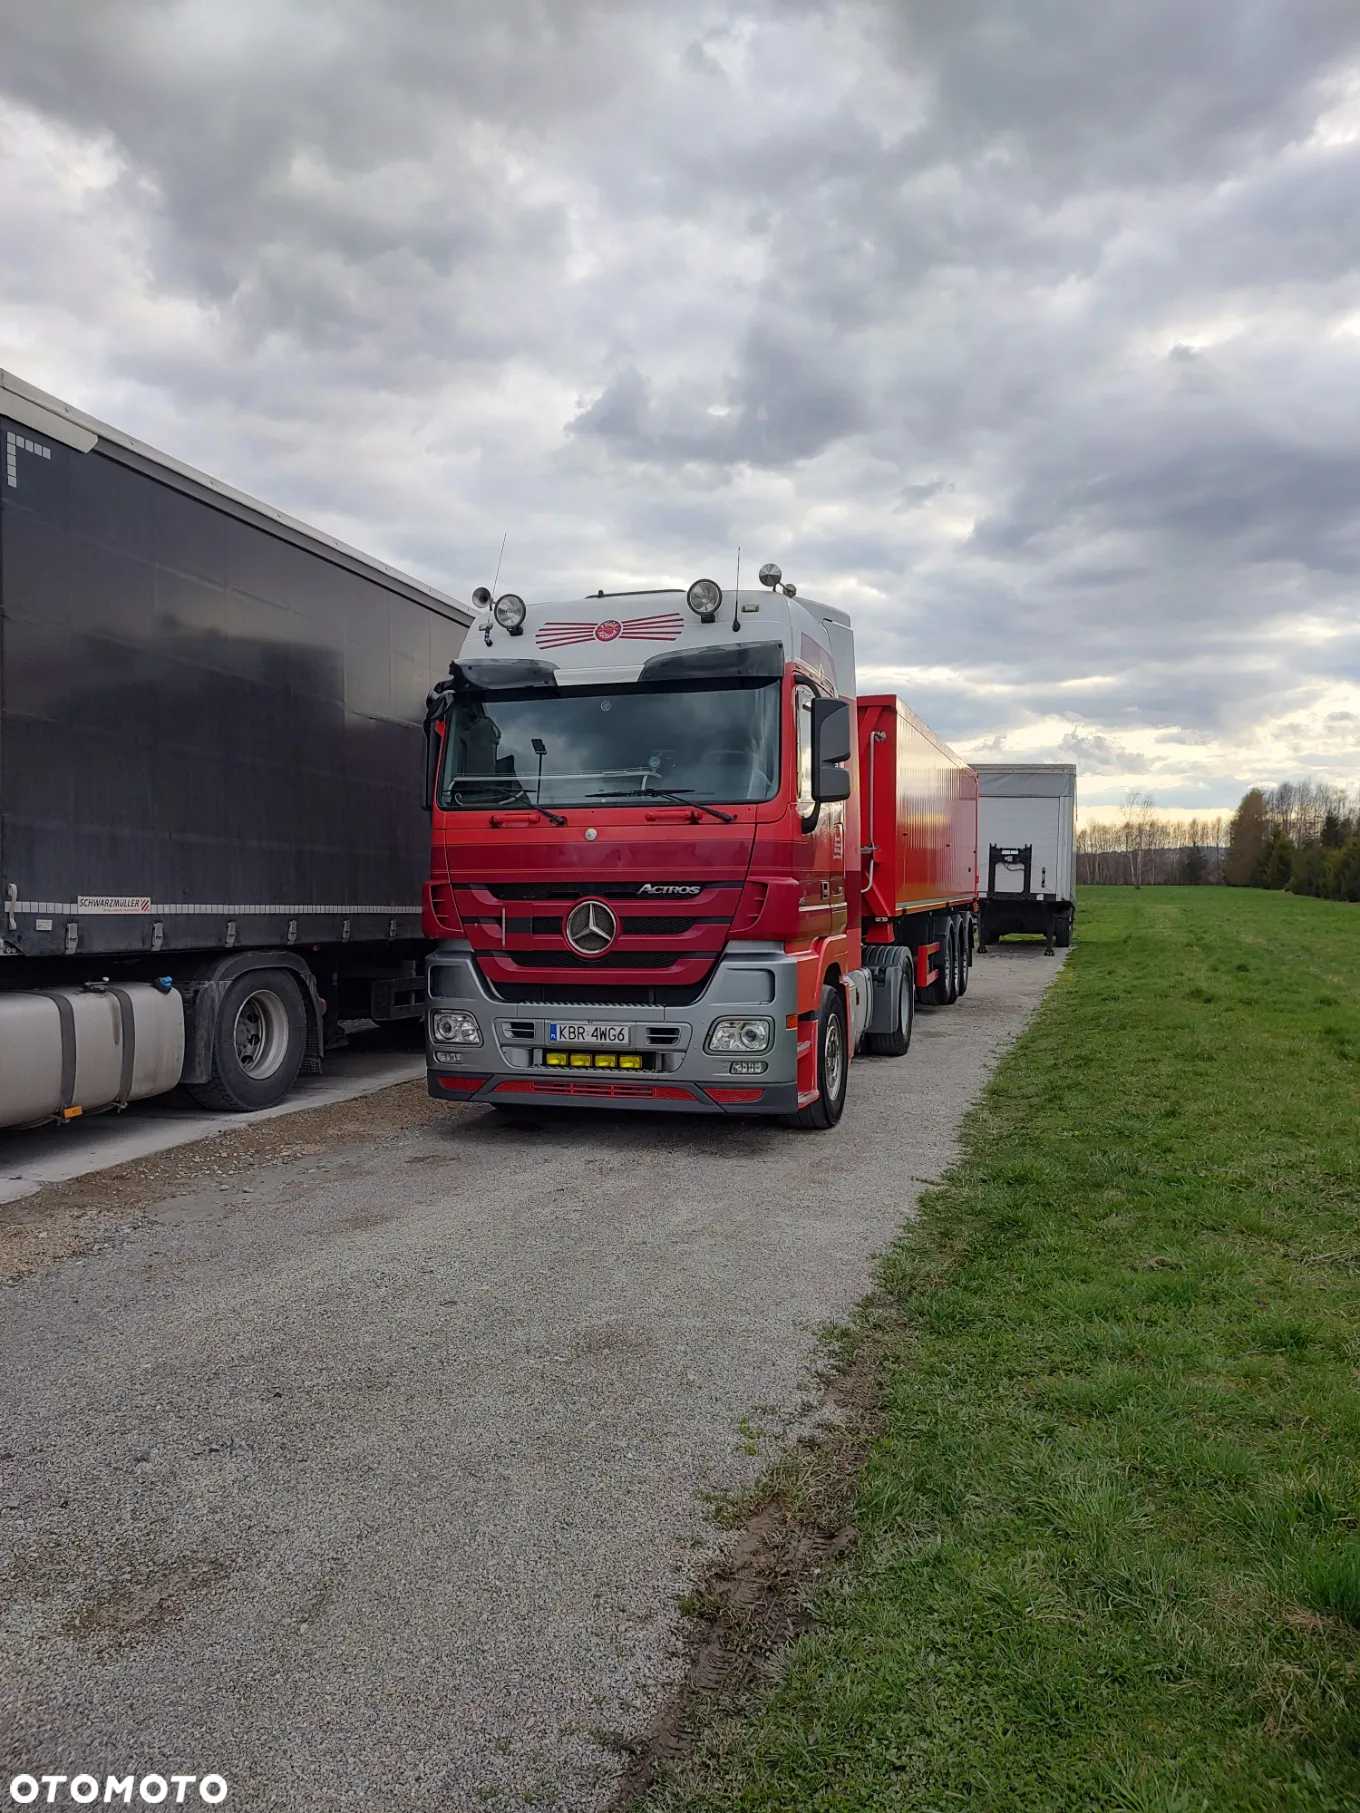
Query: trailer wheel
(895, 1044)
(956, 982)
(833, 1066)
(258, 1044)
(964, 953)
(935, 994)
(947, 982)
(1062, 935)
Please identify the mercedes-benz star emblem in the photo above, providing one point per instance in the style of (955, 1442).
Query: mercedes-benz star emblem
(590, 928)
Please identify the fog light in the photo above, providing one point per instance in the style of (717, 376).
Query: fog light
(606, 1060)
(580, 1060)
(448, 1057)
(740, 1035)
(455, 1029)
(627, 1062)
(556, 1058)
(748, 1067)
(704, 598)
(509, 612)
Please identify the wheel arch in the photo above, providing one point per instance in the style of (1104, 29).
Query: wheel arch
(205, 989)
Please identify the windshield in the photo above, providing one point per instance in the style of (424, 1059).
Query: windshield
(718, 742)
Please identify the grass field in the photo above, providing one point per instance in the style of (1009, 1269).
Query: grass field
(1109, 1549)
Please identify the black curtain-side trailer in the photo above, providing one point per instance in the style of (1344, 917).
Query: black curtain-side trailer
(210, 761)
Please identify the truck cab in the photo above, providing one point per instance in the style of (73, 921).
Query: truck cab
(645, 856)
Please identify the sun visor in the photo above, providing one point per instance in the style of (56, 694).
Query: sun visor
(744, 661)
(501, 676)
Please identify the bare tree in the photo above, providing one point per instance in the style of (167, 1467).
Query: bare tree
(1138, 815)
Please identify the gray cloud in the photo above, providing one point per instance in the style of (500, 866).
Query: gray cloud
(1028, 329)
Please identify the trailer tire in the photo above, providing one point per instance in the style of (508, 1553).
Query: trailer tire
(964, 953)
(955, 957)
(833, 1066)
(1062, 933)
(936, 993)
(258, 1044)
(895, 1043)
(944, 991)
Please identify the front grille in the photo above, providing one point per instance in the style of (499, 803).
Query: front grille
(549, 925)
(663, 1035)
(641, 925)
(578, 890)
(521, 1029)
(594, 994)
(610, 960)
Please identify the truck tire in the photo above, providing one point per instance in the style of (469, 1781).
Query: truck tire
(935, 994)
(833, 1066)
(945, 990)
(895, 1042)
(258, 1044)
(1062, 932)
(955, 959)
(964, 954)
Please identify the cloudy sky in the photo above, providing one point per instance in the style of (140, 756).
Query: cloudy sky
(1029, 330)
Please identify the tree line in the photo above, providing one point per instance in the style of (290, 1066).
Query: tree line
(1141, 848)
(1301, 835)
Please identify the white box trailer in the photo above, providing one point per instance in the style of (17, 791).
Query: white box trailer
(1027, 815)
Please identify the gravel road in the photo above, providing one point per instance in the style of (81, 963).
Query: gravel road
(359, 1458)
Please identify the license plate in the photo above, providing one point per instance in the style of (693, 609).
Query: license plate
(587, 1032)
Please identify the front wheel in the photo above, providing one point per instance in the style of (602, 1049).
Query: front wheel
(258, 1044)
(833, 1066)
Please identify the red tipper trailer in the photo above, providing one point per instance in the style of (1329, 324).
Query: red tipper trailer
(669, 872)
(918, 835)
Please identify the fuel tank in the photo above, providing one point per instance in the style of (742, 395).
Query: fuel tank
(87, 1048)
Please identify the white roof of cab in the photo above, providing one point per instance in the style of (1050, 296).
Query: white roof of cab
(604, 641)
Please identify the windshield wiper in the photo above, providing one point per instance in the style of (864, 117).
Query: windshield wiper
(523, 804)
(678, 794)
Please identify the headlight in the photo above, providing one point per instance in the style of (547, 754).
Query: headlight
(705, 597)
(740, 1035)
(455, 1029)
(509, 612)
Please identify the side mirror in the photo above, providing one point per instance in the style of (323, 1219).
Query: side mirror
(432, 748)
(436, 725)
(830, 747)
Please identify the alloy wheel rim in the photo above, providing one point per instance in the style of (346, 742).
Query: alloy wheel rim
(833, 1058)
(260, 1034)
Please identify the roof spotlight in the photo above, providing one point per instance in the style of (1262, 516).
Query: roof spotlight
(481, 596)
(790, 591)
(508, 611)
(704, 597)
(770, 575)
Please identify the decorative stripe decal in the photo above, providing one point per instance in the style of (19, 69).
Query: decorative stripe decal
(663, 626)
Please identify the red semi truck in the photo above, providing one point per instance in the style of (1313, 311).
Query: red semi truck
(677, 863)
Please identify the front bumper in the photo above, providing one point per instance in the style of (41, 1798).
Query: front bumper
(509, 1067)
